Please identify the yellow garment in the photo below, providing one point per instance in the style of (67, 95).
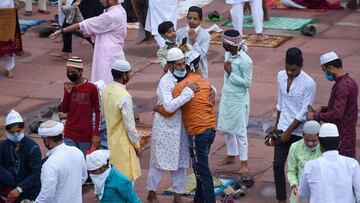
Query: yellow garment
(8, 23)
(122, 153)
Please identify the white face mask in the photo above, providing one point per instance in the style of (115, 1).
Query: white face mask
(99, 182)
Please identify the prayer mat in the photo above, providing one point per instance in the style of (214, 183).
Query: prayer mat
(270, 41)
(219, 185)
(184, 5)
(278, 23)
(25, 24)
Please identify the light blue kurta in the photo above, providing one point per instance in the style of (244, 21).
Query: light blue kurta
(235, 99)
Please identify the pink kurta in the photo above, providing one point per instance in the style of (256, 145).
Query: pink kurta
(108, 31)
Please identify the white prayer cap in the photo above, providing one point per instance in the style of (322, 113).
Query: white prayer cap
(121, 65)
(97, 159)
(50, 128)
(13, 117)
(174, 54)
(311, 128)
(330, 56)
(190, 56)
(328, 130)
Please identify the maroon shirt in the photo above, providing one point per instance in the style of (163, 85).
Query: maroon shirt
(80, 104)
(342, 110)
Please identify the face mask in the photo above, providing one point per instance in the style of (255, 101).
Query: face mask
(99, 182)
(14, 138)
(329, 76)
(311, 149)
(169, 42)
(73, 77)
(179, 73)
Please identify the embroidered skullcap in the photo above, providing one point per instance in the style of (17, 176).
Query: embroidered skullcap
(75, 62)
(174, 54)
(294, 56)
(121, 65)
(97, 159)
(13, 117)
(192, 58)
(50, 128)
(164, 27)
(328, 57)
(232, 37)
(311, 128)
(328, 130)
(197, 10)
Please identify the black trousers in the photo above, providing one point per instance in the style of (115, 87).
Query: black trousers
(280, 155)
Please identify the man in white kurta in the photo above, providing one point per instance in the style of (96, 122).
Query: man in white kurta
(331, 178)
(64, 171)
(237, 14)
(169, 149)
(158, 12)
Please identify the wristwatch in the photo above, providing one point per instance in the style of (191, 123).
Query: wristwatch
(19, 189)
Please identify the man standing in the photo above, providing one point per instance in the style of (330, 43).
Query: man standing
(234, 107)
(20, 162)
(196, 36)
(296, 90)
(64, 170)
(169, 150)
(332, 177)
(123, 138)
(342, 109)
(300, 152)
(80, 101)
(41, 7)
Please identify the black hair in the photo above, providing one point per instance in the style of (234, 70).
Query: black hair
(197, 10)
(19, 124)
(164, 27)
(337, 63)
(118, 74)
(232, 33)
(329, 143)
(294, 56)
(57, 138)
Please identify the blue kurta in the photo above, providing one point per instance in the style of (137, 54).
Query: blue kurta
(119, 189)
(235, 99)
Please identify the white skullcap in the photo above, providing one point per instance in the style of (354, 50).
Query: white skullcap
(328, 130)
(121, 65)
(311, 128)
(174, 54)
(97, 159)
(50, 128)
(13, 117)
(326, 58)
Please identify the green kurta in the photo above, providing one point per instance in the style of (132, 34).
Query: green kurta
(298, 156)
(235, 99)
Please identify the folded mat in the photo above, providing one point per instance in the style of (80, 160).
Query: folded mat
(219, 185)
(25, 24)
(279, 23)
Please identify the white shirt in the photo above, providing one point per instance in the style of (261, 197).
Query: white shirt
(62, 176)
(331, 178)
(7, 4)
(293, 105)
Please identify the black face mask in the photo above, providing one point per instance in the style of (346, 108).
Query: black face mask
(73, 77)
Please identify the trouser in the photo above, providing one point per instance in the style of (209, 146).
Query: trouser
(237, 15)
(178, 178)
(41, 5)
(67, 39)
(280, 155)
(83, 146)
(237, 145)
(9, 62)
(199, 147)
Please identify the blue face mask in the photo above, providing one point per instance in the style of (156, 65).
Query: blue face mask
(311, 149)
(169, 42)
(14, 138)
(179, 73)
(329, 76)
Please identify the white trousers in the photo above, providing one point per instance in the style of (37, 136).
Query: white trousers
(41, 5)
(237, 145)
(9, 62)
(178, 179)
(237, 15)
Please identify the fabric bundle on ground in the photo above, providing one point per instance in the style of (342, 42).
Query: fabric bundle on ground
(25, 24)
(10, 41)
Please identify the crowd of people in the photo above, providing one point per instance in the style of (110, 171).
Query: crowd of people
(99, 142)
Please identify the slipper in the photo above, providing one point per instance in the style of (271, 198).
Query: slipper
(308, 30)
(215, 19)
(59, 55)
(244, 181)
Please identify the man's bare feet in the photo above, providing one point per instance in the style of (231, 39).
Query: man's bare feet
(62, 55)
(243, 168)
(28, 13)
(9, 74)
(226, 161)
(44, 12)
(148, 40)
